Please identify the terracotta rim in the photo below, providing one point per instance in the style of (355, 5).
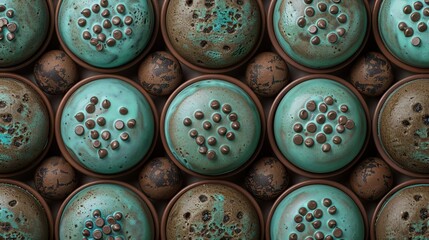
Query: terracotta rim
(377, 140)
(273, 111)
(48, 106)
(125, 66)
(64, 150)
(39, 198)
(196, 184)
(204, 69)
(229, 79)
(301, 67)
(312, 182)
(384, 49)
(387, 196)
(123, 184)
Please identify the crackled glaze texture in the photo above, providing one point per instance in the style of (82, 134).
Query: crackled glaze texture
(24, 125)
(106, 33)
(320, 34)
(107, 126)
(317, 212)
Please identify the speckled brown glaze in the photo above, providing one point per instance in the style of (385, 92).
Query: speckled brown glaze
(55, 178)
(55, 72)
(160, 73)
(372, 74)
(267, 178)
(267, 74)
(371, 179)
(160, 178)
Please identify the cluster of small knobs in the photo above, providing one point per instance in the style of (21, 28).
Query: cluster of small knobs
(108, 228)
(415, 12)
(7, 27)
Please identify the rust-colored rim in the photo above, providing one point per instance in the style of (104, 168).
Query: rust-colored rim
(203, 69)
(51, 123)
(377, 140)
(387, 196)
(123, 184)
(39, 198)
(64, 150)
(384, 49)
(273, 111)
(219, 182)
(229, 79)
(119, 68)
(301, 67)
(312, 182)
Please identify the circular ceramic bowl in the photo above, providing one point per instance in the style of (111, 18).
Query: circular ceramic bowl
(213, 36)
(25, 32)
(106, 126)
(403, 212)
(107, 210)
(214, 210)
(317, 209)
(26, 125)
(212, 126)
(319, 126)
(105, 35)
(319, 36)
(401, 32)
(401, 126)
(24, 214)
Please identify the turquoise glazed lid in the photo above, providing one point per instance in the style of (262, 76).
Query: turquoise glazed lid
(319, 36)
(25, 31)
(212, 126)
(317, 210)
(106, 210)
(106, 125)
(106, 34)
(319, 125)
(401, 30)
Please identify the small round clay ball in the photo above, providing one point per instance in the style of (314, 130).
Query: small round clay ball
(160, 73)
(160, 179)
(55, 72)
(267, 74)
(372, 74)
(371, 179)
(267, 178)
(55, 178)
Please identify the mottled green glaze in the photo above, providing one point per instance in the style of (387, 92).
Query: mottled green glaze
(120, 95)
(32, 22)
(299, 41)
(313, 158)
(347, 215)
(102, 54)
(108, 199)
(198, 97)
(411, 49)
(24, 125)
(214, 33)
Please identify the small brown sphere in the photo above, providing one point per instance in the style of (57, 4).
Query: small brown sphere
(55, 178)
(160, 73)
(55, 72)
(267, 74)
(371, 179)
(372, 74)
(160, 179)
(267, 178)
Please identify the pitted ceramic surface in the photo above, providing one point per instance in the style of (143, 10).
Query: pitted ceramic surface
(320, 34)
(107, 126)
(23, 29)
(403, 27)
(320, 126)
(205, 127)
(317, 212)
(102, 32)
